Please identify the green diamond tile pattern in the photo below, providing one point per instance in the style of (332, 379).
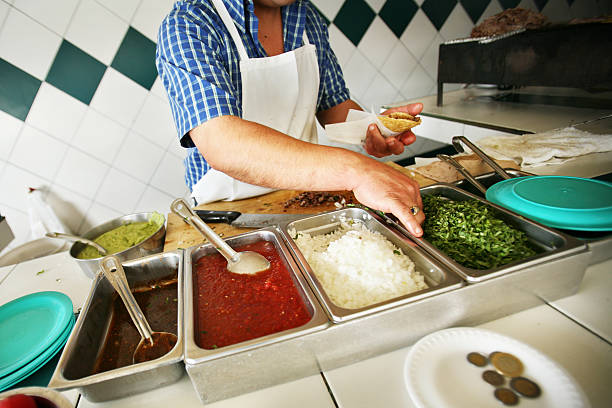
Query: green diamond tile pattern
(397, 14)
(76, 72)
(136, 58)
(17, 90)
(354, 18)
(474, 8)
(438, 11)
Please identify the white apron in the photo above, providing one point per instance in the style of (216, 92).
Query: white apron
(279, 92)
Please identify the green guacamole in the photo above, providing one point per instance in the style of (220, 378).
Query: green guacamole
(121, 238)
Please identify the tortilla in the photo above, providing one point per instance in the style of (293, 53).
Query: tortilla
(399, 121)
(444, 172)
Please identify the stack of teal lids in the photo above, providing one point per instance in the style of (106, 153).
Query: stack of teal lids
(33, 329)
(571, 203)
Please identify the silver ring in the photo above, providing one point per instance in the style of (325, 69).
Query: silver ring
(414, 210)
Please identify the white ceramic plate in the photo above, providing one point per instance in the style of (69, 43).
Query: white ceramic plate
(438, 375)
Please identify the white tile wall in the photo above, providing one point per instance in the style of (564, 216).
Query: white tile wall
(55, 15)
(120, 154)
(93, 22)
(118, 97)
(9, 128)
(149, 15)
(56, 113)
(124, 9)
(27, 44)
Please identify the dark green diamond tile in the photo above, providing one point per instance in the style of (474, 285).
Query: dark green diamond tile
(17, 90)
(475, 8)
(397, 14)
(354, 18)
(506, 4)
(136, 58)
(76, 72)
(438, 11)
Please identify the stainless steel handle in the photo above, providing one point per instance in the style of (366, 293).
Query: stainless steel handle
(468, 176)
(113, 271)
(182, 209)
(74, 238)
(457, 140)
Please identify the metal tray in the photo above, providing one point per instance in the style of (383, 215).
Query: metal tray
(598, 242)
(219, 374)
(437, 277)
(551, 243)
(257, 363)
(86, 340)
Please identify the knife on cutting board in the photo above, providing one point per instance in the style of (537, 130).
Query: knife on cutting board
(241, 220)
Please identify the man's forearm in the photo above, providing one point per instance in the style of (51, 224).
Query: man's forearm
(257, 154)
(338, 113)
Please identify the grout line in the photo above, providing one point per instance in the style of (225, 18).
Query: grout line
(329, 390)
(579, 323)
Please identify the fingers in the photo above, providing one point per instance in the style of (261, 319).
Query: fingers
(385, 189)
(413, 109)
(375, 143)
(394, 146)
(407, 138)
(410, 221)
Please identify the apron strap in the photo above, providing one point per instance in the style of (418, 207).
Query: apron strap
(229, 24)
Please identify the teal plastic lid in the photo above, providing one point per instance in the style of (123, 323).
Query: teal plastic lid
(29, 325)
(39, 361)
(571, 203)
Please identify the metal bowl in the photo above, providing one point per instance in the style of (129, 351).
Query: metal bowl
(57, 399)
(152, 245)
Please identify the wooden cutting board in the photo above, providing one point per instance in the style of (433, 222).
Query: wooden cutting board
(179, 234)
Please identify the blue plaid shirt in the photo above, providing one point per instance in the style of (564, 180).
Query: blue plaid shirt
(198, 63)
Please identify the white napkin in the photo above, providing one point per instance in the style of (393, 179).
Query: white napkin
(354, 129)
(552, 147)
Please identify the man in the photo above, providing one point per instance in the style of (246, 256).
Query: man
(246, 80)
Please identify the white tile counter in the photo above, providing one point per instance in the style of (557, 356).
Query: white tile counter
(574, 331)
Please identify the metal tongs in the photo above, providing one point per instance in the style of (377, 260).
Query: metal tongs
(457, 140)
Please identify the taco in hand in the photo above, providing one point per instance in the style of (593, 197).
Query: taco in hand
(399, 121)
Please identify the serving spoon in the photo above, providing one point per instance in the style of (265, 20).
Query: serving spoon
(245, 262)
(152, 344)
(74, 238)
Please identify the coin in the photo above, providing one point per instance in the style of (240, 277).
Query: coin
(525, 387)
(493, 377)
(477, 359)
(506, 396)
(507, 364)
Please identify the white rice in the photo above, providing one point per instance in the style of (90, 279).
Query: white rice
(358, 267)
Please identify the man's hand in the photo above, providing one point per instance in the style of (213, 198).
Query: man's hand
(379, 146)
(383, 188)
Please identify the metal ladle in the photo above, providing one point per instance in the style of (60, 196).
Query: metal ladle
(152, 344)
(74, 238)
(246, 262)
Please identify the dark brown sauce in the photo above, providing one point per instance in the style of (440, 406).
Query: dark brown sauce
(159, 303)
(161, 345)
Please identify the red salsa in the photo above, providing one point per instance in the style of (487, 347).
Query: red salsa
(231, 308)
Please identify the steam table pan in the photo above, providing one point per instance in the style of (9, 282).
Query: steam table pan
(437, 277)
(231, 370)
(552, 245)
(598, 242)
(87, 339)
